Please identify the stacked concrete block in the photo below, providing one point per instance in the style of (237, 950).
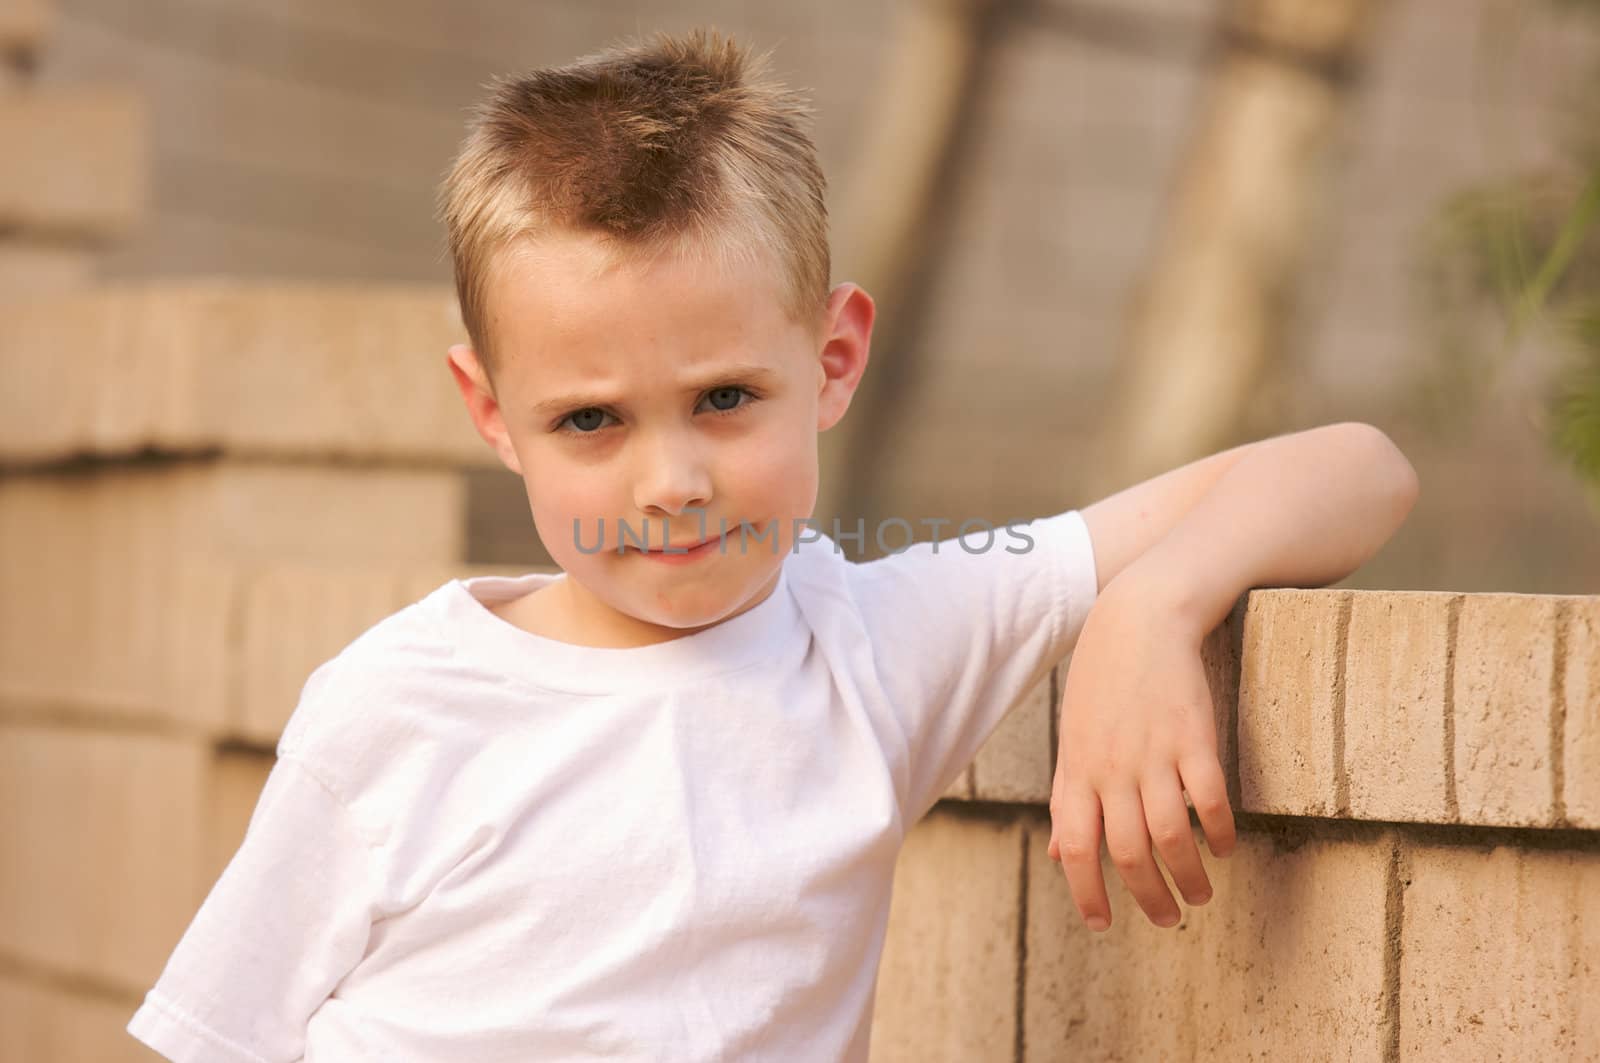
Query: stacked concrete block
(47, 1021)
(341, 372)
(125, 583)
(1017, 762)
(1421, 707)
(24, 24)
(1287, 713)
(75, 162)
(947, 980)
(1286, 960)
(103, 835)
(1500, 953)
(1578, 719)
(1415, 877)
(205, 491)
(75, 179)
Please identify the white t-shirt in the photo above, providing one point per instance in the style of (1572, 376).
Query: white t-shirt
(482, 844)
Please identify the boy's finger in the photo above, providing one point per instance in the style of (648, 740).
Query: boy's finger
(1168, 818)
(1208, 792)
(1077, 834)
(1128, 842)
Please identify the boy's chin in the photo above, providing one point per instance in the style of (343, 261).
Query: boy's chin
(691, 609)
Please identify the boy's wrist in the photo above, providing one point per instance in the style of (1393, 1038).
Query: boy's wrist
(1159, 583)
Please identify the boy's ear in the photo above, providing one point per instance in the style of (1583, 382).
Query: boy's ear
(483, 407)
(847, 336)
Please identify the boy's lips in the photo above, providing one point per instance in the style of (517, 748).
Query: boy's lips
(675, 544)
(679, 547)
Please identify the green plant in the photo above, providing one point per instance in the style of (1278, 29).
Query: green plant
(1509, 261)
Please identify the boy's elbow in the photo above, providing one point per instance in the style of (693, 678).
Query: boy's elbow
(1400, 474)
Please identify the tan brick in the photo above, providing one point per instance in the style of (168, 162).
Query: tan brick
(83, 607)
(1016, 763)
(46, 1022)
(1287, 687)
(321, 513)
(344, 371)
(47, 411)
(947, 981)
(237, 779)
(296, 616)
(340, 372)
(1285, 961)
(1581, 698)
(24, 26)
(1220, 655)
(1504, 662)
(1120, 995)
(39, 269)
(1396, 675)
(1500, 954)
(194, 678)
(100, 842)
(76, 161)
(120, 588)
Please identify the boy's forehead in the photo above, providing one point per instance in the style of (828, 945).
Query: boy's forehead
(572, 299)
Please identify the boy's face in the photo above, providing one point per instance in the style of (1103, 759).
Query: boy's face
(670, 396)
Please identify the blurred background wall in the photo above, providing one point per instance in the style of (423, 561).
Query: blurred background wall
(1106, 239)
(304, 139)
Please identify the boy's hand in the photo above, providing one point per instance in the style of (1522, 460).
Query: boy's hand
(1137, 730)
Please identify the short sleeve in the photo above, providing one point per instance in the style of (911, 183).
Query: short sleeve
(964, 628)
(288, 918)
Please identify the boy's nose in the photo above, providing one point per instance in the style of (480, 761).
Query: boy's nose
(674, 478)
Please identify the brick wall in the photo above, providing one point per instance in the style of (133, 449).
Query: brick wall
(1416, 779)
(1415, 772)
(214, 490)
(208, 487)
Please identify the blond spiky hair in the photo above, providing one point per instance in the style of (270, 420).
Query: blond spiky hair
(674, 142)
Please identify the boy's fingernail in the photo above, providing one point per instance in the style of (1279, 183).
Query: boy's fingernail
(1096, 923)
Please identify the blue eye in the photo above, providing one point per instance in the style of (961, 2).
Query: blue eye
(585, 417)
(724, 401)
(731, 394)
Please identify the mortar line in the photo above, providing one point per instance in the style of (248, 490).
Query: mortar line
(1558, 716)
(1341, 778)
(1233, 647)
(1018, 1040)
(1419, 832)
(1055, 724)
(1394, 903)
(1452, 630)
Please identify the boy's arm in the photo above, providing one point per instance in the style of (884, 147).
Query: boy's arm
(1137, 724)
(1124, 526)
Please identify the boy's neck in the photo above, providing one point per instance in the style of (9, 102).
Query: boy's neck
(554, 611)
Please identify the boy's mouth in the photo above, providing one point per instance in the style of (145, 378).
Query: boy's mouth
(676, 547)
(680, 554)
(680, 547)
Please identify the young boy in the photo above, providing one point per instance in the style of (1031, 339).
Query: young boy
(648, 808)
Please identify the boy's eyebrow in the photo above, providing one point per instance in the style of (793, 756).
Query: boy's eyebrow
(733, 373)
